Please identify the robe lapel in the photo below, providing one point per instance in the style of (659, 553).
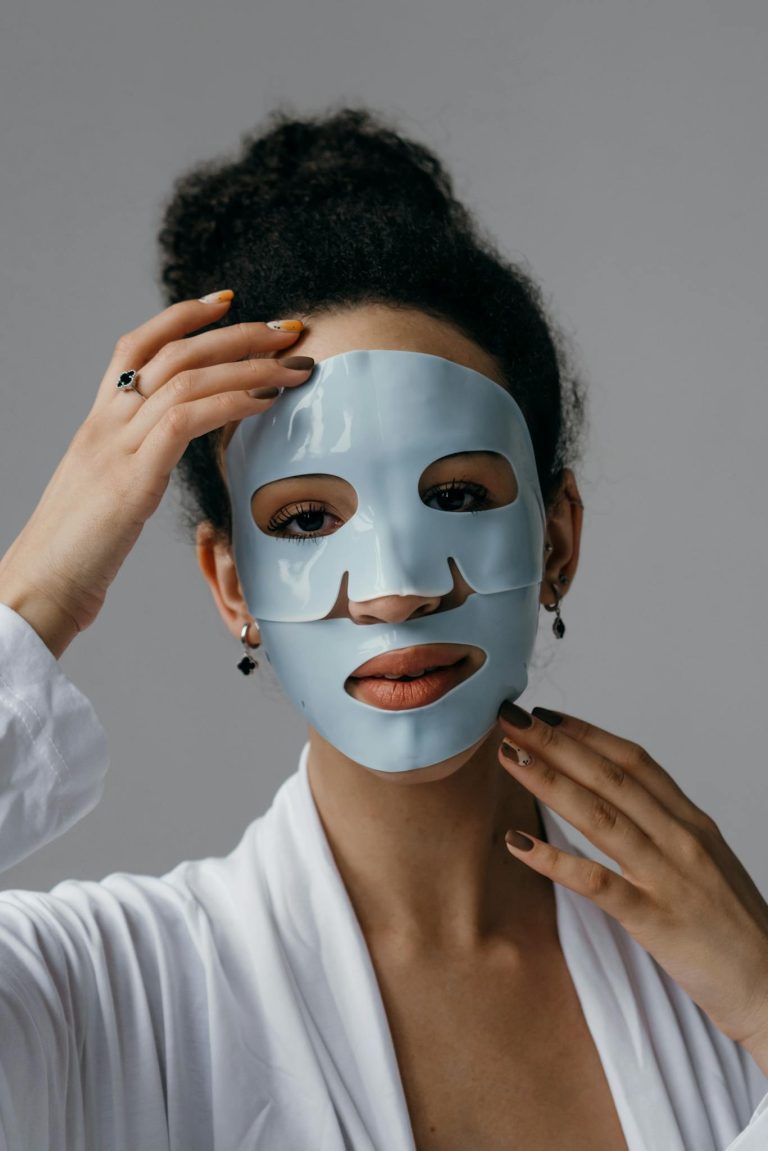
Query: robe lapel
(343, 1012)
(335, 979)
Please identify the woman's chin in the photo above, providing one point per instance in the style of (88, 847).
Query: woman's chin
(433, 772)
(430, 774)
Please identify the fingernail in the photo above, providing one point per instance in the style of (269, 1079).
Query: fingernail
(217, 297)
(517, 754)
(550, 717)
(518, 840)
(264, 393)
(285, 325)
(514, 714)
(298, 363)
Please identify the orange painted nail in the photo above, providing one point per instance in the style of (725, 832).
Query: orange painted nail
(218, 297)
(285, 325)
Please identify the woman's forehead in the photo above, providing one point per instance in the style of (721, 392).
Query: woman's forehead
(384, 399)
(382, 325)
(365, 412)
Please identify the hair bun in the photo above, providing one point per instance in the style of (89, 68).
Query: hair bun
(344, 165)
(328, 211)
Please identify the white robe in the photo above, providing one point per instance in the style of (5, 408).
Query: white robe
(232, 1005)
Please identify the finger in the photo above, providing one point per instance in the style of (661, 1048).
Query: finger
(608, 822)
(632, 758)
(587, 877)
(167, 441)
(553, 748)
(216, 380)
(136, 347)
(251, 341)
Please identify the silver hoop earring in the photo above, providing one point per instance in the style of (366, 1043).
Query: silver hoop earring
(247, 663)
(558, 627)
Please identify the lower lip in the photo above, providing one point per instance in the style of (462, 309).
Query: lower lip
(400, 695)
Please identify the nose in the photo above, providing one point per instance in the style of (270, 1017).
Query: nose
(392, 608)
(396, 609)
(399, 608)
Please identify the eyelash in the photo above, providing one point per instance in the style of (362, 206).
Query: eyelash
(281, 519)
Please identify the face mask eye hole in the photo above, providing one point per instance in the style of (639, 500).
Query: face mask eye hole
(468, 482)
(303, 507)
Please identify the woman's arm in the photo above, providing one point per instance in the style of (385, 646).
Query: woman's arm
(53, 762)
(53, 749)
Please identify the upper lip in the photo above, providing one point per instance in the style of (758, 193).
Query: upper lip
(406, 661)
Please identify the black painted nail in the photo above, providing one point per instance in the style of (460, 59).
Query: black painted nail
(518, 840)
(298, 363)
(514, 714)
(263, 393)
(550, 717)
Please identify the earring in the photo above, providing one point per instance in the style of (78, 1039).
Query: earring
(247, 663)
(558, 627)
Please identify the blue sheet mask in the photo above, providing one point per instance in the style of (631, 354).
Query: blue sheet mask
(377, 419)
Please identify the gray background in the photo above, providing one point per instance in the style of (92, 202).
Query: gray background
(620, 148)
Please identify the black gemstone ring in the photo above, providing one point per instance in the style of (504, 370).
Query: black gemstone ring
(126, 382)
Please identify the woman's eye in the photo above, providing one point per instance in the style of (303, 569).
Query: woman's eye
(457, 496)
(301, 522)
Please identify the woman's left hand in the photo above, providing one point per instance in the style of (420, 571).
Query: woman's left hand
(683, 894)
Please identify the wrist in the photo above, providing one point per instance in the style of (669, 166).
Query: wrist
(54, 627)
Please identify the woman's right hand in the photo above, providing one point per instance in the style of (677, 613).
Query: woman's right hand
(111, 479)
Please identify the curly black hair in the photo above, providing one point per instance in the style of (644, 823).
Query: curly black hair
(319, 213)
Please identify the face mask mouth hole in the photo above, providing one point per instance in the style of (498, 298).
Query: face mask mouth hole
(465, 667)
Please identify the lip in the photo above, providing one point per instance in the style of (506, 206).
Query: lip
(452, 665)
(410, 660)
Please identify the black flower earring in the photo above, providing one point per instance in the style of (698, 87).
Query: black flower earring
(247, 663)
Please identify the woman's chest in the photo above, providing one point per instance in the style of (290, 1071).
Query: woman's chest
(492, 1060)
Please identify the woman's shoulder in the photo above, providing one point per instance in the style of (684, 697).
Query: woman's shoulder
(84, 928)
(98, 928)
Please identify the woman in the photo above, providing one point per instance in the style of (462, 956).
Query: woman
(371, 966)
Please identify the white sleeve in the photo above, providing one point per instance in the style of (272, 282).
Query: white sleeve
(53, 761)
(53, 749)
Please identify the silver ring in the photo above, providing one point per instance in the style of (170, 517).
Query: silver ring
(126, 382)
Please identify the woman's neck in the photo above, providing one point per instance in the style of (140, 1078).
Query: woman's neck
(423, 857)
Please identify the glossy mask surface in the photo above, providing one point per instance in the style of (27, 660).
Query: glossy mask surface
(377, 419)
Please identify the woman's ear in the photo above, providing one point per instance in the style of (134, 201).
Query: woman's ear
(214, 555)
(563, 532)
